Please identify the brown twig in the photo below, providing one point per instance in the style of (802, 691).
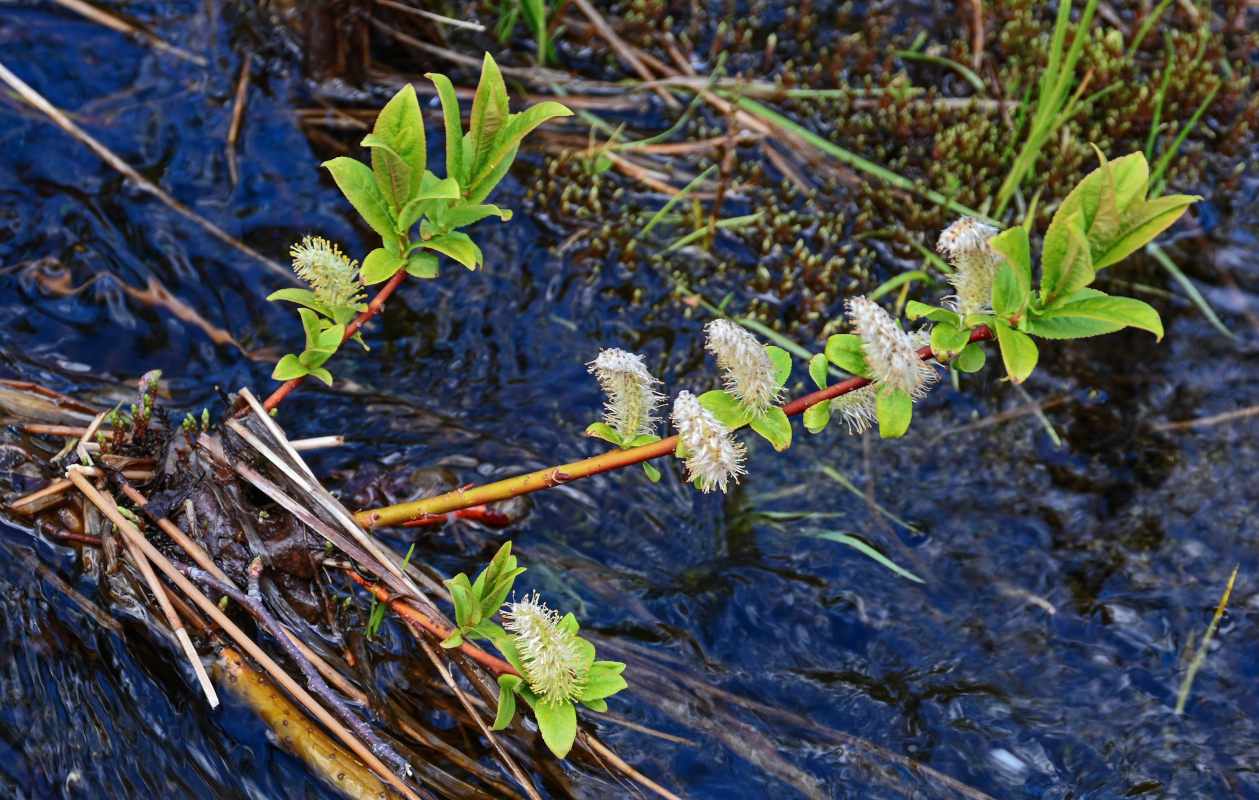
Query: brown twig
(238, 114)
(421, 620)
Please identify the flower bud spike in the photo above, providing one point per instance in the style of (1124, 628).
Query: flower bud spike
(749, 371)
(890, 352)
(331, 275)
(630, 408)
(965, 245)
(859, 408)
(712, 455)
(556, 665)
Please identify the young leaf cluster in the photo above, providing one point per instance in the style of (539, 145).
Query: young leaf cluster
(1102, 221)
(416, 213)
(539, 651)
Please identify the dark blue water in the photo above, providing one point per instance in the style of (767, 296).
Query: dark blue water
(1041, 658)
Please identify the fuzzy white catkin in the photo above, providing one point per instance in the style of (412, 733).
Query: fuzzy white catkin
(712, 454)
(554, 662)
(331, 275)
(631, 403)
(965, 245)
(890, 353)
(749, 371)
(858, 408)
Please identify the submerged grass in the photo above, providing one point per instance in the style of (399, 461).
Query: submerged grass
(1200, 656)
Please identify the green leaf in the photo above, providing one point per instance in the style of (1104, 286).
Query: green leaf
(844, 351)
(1008, 298)
(774, 426)
(303, 297)
(1073, 271)
(915, 310)
(453, 640)
(393, 176)
(289, 368)
(782, 363)
(487, 184)
(1113, 310)
(313, 326)
(458, 246)
(971, 359)
(558, 725)
(817, 417)
(399, 151)
(321, 374)
(1143, 221)
(507, 684)
(489, 115)
(601, 430)
(725, 408)
(455, 168)
(947, 341)
(818, 369)
(602, 685)
(462, 216)
(1017, 249)
(465, 603)
(595, 705)
(380, 265)
(422, 265)
(642, 439)
(653, 474)
(867, 550)
(358, 184)
(518, 126)
(444, 189)
(1069, 327)
(494, 599)
(427, 199)
(507, 646)
(1105, 225)
(895, 409)
(1018, 352)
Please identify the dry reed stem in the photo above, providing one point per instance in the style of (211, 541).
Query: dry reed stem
(289, 685)
(238, 114)
(115, 23)
(130, 535)
(37, 100)
(490, 736)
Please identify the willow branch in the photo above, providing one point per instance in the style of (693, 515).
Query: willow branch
(604, 462)
(376, 305)
(421, 620)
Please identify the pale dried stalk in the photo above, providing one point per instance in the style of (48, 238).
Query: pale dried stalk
(129, 536)
(257, 653)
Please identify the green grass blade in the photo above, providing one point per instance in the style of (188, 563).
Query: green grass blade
(1164, 160)
(731, 222)
(839, 478)
(948, 63)
(655, 219)
(867, 550)
(1200, 656)
(1160, 255)
(855, 161)
(895, 282)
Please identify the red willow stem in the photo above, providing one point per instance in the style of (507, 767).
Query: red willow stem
(615, 459)
(376, 305)
(421, 620)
